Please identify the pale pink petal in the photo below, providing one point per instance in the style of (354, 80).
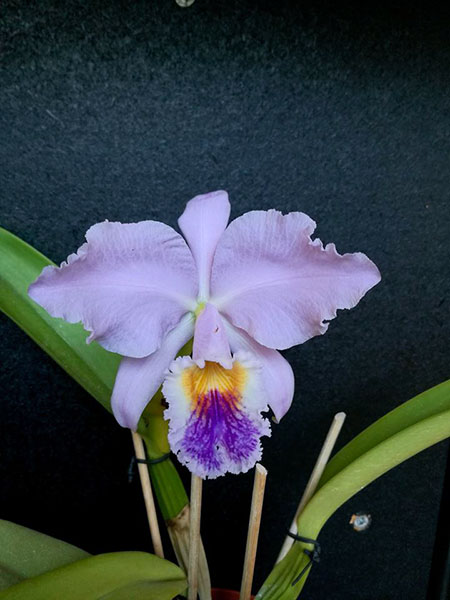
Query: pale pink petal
(215, 421)
(202, 223)
(138, 379)
(270, 279)
(129, 285)
(276, 372)
(210, 340)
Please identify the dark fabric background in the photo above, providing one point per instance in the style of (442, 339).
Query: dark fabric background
(125, 110)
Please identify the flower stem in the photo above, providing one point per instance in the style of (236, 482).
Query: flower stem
(169, 490)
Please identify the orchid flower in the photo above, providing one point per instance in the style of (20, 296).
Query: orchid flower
(242, 293)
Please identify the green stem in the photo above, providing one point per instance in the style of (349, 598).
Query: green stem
(169, 489)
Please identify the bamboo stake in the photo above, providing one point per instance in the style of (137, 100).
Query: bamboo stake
(194, 535)
(314, 479)
(148, 495)
(253, 531)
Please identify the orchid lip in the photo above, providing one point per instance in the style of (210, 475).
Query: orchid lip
(215, 415)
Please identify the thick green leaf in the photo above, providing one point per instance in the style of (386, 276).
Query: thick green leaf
(93, 367)
(8, 577)
(420, 407)
(131, 575)
(146, 591)
(26, 553)
(386, 446)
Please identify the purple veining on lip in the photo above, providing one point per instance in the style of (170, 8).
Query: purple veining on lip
(217, 431)
(215, 414)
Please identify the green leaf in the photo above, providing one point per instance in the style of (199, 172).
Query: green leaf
(417, 425)
(116, 576)
(26, 553)
(93, 367)
(420, 407)
(144, 590)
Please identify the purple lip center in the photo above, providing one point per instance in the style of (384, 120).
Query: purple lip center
(219, 431)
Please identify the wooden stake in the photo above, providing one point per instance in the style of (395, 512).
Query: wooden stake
(148, 495)
(194, 535)
(314, 479)
(253, 531)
